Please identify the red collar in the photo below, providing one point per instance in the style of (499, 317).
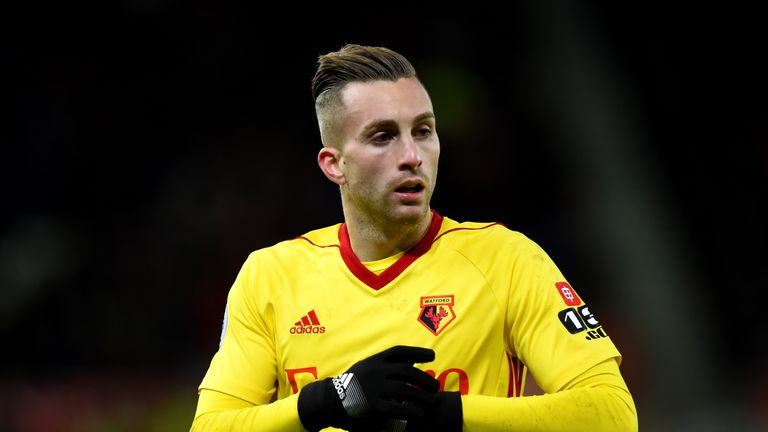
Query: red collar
(378, 281)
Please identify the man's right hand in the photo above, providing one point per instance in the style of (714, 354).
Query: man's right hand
(383, 390)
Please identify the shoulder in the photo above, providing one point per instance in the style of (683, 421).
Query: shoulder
(289, 255)
(266, 271)
(489, 243)
(482, 235)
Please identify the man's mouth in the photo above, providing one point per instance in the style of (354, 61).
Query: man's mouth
(410, 189)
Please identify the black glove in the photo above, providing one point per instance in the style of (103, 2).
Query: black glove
(378, 392)
(445, 415)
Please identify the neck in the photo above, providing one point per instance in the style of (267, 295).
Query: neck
(373, 239)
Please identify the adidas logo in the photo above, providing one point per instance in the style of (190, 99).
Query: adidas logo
(308, 324)
(351, 395)
(341, 382)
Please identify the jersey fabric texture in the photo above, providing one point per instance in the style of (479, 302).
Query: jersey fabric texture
(486, 299)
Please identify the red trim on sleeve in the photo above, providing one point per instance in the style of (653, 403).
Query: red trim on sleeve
(515, 377)
(378, 281)
(470, 229)
(315, 244)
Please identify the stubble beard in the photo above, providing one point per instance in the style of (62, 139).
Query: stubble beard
(383, 215)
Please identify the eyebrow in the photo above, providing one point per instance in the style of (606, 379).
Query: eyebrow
(391, 124)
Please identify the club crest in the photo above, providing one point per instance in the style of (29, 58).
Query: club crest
(436, 313)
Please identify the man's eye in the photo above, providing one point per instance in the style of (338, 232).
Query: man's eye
(381, 138)
(424, 132)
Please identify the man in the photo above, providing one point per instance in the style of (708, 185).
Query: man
(399, 318)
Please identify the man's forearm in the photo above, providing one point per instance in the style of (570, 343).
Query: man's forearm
(593, 409)
(597, 401)
(221, 412)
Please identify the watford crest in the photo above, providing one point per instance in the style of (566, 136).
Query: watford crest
(436, 313)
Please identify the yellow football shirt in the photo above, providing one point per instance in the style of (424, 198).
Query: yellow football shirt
(487, 299)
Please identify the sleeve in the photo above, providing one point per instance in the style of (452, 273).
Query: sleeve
(242, 378)
(221, 412)
(550, 328)
(553, 332)
(596, 400)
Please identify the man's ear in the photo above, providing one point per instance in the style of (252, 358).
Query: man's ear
(329, 160)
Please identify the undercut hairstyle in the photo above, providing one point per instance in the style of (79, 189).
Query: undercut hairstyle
(352, 63)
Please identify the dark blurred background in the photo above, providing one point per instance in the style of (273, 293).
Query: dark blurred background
(148, 147)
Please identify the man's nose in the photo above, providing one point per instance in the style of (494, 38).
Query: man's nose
(410, 158)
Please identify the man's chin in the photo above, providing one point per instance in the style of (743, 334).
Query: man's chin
(411, 214)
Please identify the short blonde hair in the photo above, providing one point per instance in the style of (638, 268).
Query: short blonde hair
(352, 63)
